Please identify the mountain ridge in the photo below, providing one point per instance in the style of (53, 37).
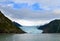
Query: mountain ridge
(52, 27)
(7, 26)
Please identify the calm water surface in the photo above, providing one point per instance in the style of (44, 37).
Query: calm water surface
(29, 37)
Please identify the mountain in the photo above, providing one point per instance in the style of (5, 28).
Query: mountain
(17, 24)
(7, 26)
(52, 27)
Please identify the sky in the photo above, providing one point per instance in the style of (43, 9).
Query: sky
(31, 12)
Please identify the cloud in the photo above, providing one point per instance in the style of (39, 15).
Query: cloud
(56, 11)
(28, 14)
(43, 2)
(31, 23)
(31, 10)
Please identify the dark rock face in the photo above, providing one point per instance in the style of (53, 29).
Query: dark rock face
(17, 24)
(52, 27)
(7, 26)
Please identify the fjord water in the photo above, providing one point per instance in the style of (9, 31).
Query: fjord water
(33, 34)
(29, 37)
